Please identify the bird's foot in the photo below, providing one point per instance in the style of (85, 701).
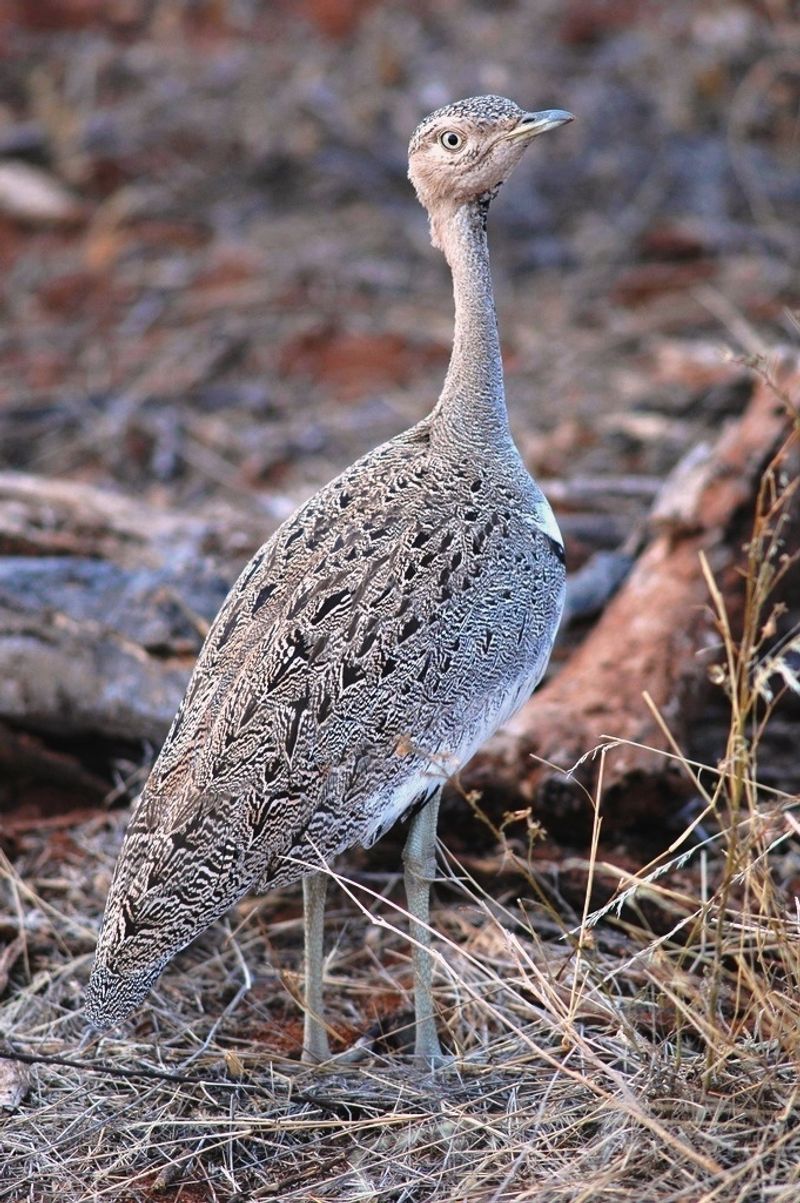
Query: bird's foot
(315, 1042)
(427, 1049)
(433, 1061)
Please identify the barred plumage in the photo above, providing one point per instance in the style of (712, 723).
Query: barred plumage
(369, 647)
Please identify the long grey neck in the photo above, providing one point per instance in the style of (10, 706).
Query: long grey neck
(472, 405)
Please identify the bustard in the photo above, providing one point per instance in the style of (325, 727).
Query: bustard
(366, 651)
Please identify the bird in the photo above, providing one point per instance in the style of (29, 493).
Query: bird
(366, 651)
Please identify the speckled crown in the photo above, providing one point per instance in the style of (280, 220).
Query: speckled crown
(480, 109)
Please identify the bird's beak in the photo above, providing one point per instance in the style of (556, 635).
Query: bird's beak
(530, 125)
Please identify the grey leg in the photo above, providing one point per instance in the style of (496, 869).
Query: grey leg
(315, 1038)
(419, 858)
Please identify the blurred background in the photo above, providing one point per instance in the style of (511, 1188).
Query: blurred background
(217, 290)
(218, 287)
(217, 284)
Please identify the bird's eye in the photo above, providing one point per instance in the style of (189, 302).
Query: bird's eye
(450, 140)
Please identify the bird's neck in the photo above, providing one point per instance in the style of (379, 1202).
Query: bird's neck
(472, 405)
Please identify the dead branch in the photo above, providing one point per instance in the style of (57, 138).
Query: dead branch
(656, 635)
(104, 603)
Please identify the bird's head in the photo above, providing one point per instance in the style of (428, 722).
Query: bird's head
(463, 153)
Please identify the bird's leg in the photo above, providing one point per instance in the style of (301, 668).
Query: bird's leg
(419, 858)
(315, 1038)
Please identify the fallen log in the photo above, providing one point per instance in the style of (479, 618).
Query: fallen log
(104, 603)
(656, 635)
(43, 516)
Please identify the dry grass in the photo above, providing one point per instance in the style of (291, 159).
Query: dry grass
(646, 1051)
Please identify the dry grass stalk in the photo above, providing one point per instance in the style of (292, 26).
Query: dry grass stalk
(655, 630)
(648, 1049)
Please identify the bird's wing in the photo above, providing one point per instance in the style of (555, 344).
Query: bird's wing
(312, 629)
(343, 636)
(367, 648)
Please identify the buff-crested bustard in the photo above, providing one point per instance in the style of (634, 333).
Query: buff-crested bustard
(366, 651)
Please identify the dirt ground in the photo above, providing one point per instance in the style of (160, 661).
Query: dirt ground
(217, 291)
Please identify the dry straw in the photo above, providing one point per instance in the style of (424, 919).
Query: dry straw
(648, 1050)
